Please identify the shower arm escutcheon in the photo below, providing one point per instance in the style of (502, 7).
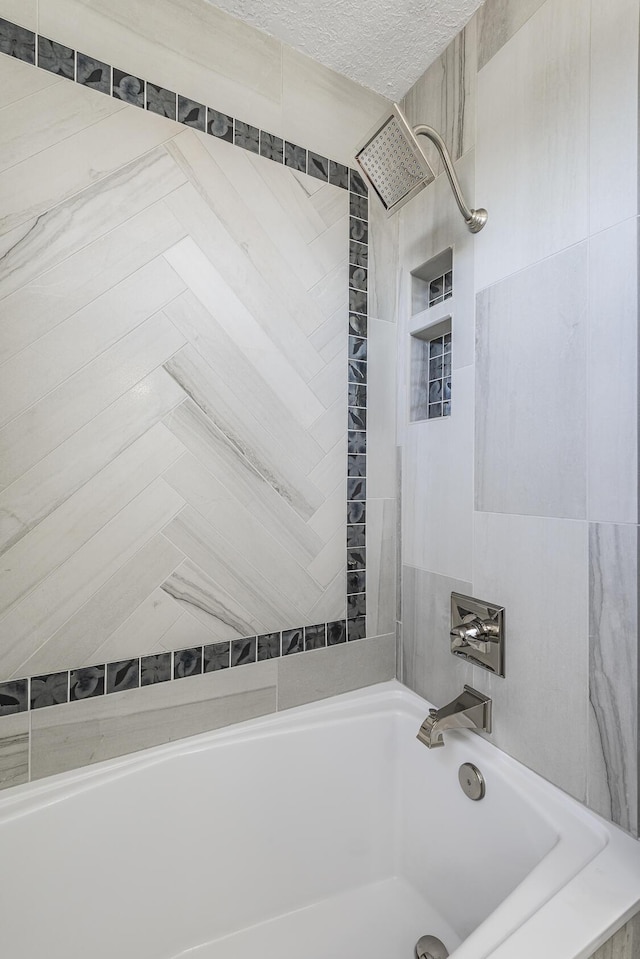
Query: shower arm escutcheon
(475, 219)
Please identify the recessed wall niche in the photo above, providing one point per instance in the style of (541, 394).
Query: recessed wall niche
(430, 361)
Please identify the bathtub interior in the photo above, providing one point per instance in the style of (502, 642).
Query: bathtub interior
(333, 821)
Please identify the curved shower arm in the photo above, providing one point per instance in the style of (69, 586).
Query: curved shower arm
(475, 219)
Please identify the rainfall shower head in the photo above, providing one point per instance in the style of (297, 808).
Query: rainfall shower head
(395, 166)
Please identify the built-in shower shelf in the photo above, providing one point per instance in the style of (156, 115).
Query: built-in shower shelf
(430, 338)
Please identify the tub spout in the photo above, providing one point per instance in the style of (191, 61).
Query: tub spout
(470, 710)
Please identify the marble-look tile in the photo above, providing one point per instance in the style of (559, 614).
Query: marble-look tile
(612, 783)
(60, 474)
(223, 616)
(143, 630)
(63, 532)
(427, 664)
(343, 111)
(381, 414)
(625, 944)
(220, 559)
(613, 125)
(328, 672)
(530, 390)
(438, 486)
(82, 733)
(36, 432)
(79, 280)
(14, 750)
(45, 364)
(381, 566)
(224, 461)
(44, 119)
(445, 97)
(23, 12)
(538, 569)
(87, 630)
(47, 607)
(498, 21)
(612, 416)
(533, 127)
(187, 631)
(66, 168)
(188, 46)
(41, 244)
(18, 80)
(383, 264)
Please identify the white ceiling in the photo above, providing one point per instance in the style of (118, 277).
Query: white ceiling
(383, 44)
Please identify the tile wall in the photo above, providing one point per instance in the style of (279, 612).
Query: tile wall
(179, 437)
(527, 494)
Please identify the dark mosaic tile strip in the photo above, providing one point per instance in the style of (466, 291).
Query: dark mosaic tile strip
(86, 682)
(356, 558)
(17, 41)
(220, 125)
(356, 582)
(357, 628)
(247, 137)
(295, 157)
(217, 656)
(50, 690)
(129, 89)
(187, 662)
(93, 73)
(14, 697)
(56, 58)
(123, 675)
(155, 669)
(271, 147)
(192, 113)
(163, 667)
(162, 101)
(243, 651)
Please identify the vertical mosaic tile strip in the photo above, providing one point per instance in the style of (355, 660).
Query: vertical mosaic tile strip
(74, 685)
(357, 410)
(439, 384)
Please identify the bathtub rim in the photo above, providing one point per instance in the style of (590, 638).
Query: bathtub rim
(575, 916)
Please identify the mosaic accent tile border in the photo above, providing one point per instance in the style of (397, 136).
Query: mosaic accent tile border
(38, 692)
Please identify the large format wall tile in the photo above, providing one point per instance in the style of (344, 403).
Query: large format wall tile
(531, 390)
(613, 124)
(537, 569)
(327, 672)
(428, 666)
(533, 127)
(498, 21)
(14, 750)
(24, 12)
(612, 786)
(77, 734)
(381, 565)
(445, 98)
(612, 416)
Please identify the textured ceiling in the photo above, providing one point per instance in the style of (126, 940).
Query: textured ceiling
(383, 44)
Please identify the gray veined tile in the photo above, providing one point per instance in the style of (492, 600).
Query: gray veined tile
(35, 433)
(57, 476)
(85, 634)
(81, 278)
(46, 363)
(223, 461)
(144, 631)
(22, 12)
(75, 164)
(197, 379)
(14, 751)
(612, 784)
(56, 538)
(47, 607)
(186, 633)
(18, 80)
(222, 615)
(42, 243)
(498, 21)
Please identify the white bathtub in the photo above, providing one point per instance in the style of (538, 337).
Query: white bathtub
(326, 832)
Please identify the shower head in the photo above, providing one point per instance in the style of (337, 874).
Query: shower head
(395, 166)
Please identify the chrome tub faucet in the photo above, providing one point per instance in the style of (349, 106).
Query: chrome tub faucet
(469, 710)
